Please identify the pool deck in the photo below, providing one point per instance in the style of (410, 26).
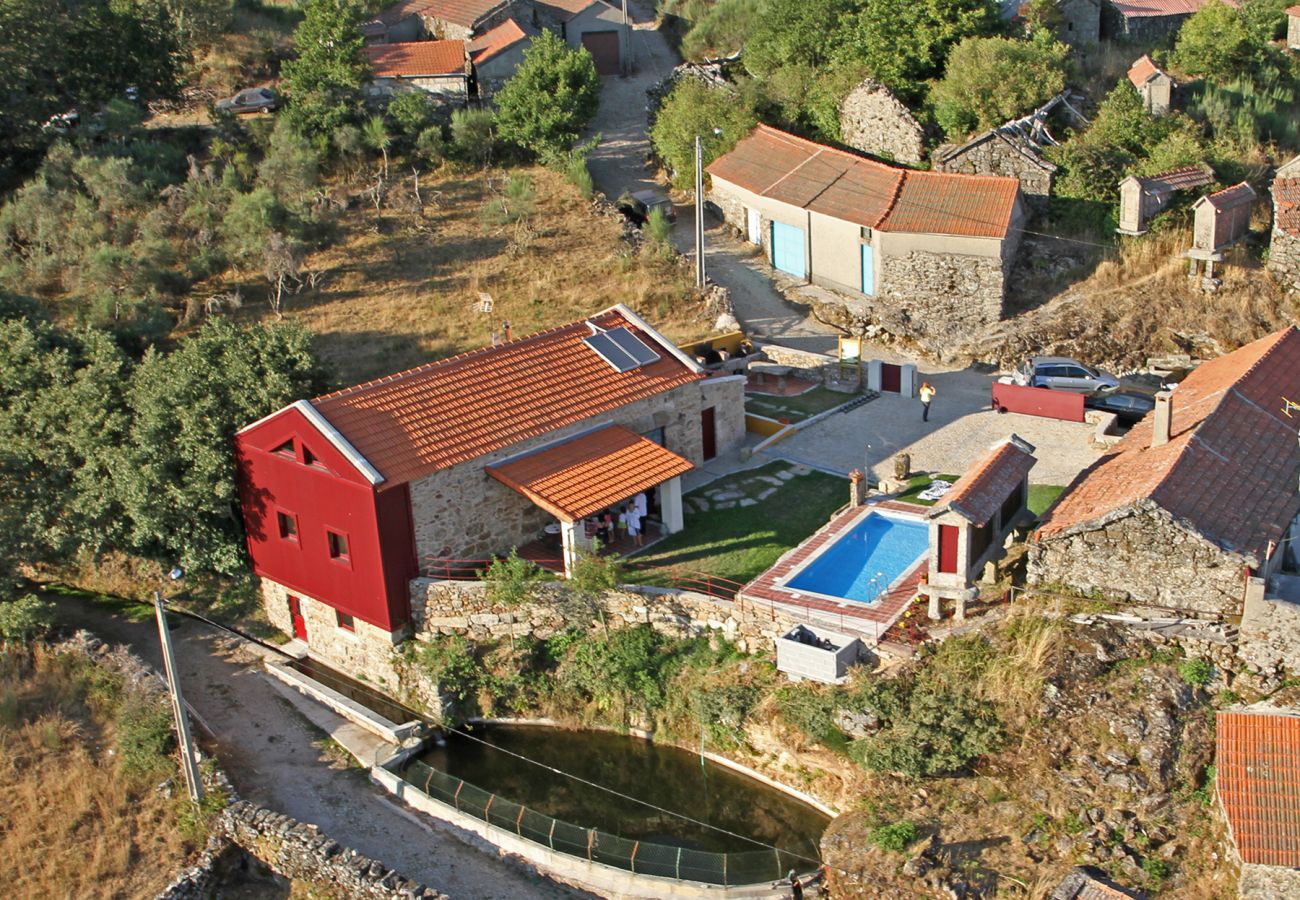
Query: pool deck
(866, 621)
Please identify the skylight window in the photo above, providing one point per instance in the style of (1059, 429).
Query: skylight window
(621, 349)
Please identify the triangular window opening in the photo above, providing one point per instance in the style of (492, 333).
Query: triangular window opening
(308, 457)
(286, 449)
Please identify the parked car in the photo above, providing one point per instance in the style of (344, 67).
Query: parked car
(637, 206)
(1128, 406)
(1063, 374)
(252, 100)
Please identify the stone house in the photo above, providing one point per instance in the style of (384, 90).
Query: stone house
(1153, 84)
(1196, 498)
(1003, 152)
(594, 24)
(1284, 245)
(498, 52)
(439, 68)
(874, 121)
(347, 497)
(1221, 219)
(929, 247)
(970, 523)
(1140, 198)
(458, 20)
(1153, 21)
(1257, 780)
(1293, 27)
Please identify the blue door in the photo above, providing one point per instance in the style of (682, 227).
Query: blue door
(868, 270)
(787, 249)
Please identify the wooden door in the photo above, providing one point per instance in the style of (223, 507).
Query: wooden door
(891, 378)
(299, 623)
(603, 47)
(948, 548)
(708, 428)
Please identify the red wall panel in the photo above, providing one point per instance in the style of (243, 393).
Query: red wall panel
(1037, 401)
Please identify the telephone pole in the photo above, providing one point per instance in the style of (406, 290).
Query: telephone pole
(699, 214)
(188, 765)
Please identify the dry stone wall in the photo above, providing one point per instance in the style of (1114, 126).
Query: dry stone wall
(874, 121)
(1284, 258)
(992, 154)
(1270, 635)
(939, 295)
(1141, 556)
(1267, 882)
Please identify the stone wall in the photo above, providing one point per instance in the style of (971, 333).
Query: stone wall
(1141, 556)
(803, 364)
(939, 295)
(993, 154)
(1267, 882)
(461, 607)
(301, 852)
(464, 513)
(1080, 22)
(874, 121)
(1270, 634)
(1284, 257)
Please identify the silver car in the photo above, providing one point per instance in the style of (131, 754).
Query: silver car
(1064, 374)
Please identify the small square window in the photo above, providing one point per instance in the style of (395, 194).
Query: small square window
(866, 233)
(346, 622)
(288, 524)
(338, 545)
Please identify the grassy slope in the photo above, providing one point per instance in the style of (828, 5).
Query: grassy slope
(796, 408)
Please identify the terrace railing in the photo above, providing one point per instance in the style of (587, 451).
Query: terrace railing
(636, 573)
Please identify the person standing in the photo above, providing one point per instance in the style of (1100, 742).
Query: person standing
(796, 889)
(927, 393)
(640, 509)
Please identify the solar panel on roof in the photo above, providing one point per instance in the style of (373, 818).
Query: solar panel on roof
(632, 345)
(612, 353)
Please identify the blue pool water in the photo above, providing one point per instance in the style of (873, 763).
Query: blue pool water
(865, 560)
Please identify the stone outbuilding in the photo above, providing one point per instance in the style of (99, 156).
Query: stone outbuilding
(498, 52)
(929, 247)
(596, 25)
(1284, 245)
(1293, 27)
(1196, 498)
(438, 68)
(1152, 21)
(1221, 219)
(458, 20)
(1257, 780)
(1004, 152)
(874, 121)
(1154, 85)
(970, 524)
(1142, 197)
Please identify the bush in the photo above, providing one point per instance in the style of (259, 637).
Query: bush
(990, 80)
(658, 233)
(509, 581)
(145, 735)
(473, 135)
(812, 711)
(1196, 671)
(578, 175)
(451, 665)
(25, 618)
(894, 838)
(549, 100)
(722, 711)
(691, 109)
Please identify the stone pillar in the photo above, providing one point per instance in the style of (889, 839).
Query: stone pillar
(571, 544)
(670, 504)
(857, 488)
(903, 467)
(874, 375)
(908, 383)
(936, 607)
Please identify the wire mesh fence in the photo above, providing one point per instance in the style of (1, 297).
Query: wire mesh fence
(638, 857)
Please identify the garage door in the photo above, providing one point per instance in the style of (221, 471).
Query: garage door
(603, 47)
(787, 249)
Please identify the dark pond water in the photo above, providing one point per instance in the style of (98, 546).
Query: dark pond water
(353, 690)
(667, 777)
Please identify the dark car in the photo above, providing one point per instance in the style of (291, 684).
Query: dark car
(637, 206)
(1128, 406)
(250, 101)
(1151, 383)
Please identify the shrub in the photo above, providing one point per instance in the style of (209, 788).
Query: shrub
(812, 711)
(451, 665)
(1196, 671)
(893, 838)
(144, 735)
(25, 618)
(1156, 869)
(691, 109)
(549, 100)
(722, 710)
(473, 135)
(509, 581)
(658, 233)
(578, 175)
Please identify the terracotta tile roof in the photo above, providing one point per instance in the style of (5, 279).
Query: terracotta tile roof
(1229, 198)
(1257, 771)
(1286, 205)
(437, 415)
(1143, 71)
(498, 40)
(467, 13)
(981, 491)
(1293, 10)
(1177, 179)
(414, 58)
(564, 10)
(843, 185)
(1082, 884)
(591, 472)
(1145, 9)
(1230, 468)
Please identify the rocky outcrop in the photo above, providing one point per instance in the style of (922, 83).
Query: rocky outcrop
(874, 121)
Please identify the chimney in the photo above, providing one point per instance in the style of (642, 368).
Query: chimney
(1164, 414)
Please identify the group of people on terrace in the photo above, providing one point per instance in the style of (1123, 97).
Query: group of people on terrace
(626, 520)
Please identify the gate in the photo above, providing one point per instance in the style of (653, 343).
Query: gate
(603, 47)
(891, 378)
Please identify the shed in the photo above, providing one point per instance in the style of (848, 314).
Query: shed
(1002, 151)
(594, 24)
(1140, 198)
(1153, 84)
(812, 652)
(1152, 21)
(970, 523)
(439, 68)
(1293, 27)
(498, 52)
(1222, 218)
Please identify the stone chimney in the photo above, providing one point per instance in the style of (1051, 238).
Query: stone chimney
(1163, 419)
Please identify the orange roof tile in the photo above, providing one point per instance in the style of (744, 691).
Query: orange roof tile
(981, 491)
(1230, 468)
(415, 58)
(1145, 9)
(843, 185)
(1143, 71)
(1286, 205)
(564, 10)
(498, 40)
(591, 472)
(1238, 195)
(467, 13)
(440, 414)
(1257, 771)
(1293, 10)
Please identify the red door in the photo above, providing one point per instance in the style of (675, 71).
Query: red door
(710, 432)
(891, 378)
(299, 623)
(948, 548)
(603, 47)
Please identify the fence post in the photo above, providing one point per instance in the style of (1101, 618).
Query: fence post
(487, 809)
(678, 869)
(518, 819)
(455, 798)
(550, 838)
(591, 839)
(632, 861)
(725, 883)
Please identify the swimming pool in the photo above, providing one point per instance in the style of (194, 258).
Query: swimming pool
(864, 561)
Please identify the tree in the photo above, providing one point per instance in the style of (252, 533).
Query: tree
(473, 134)
(990, 80)
(377, 137)
(324, 82)
(1214, 43)
(547, 103)
(693, 108)
(791, 32)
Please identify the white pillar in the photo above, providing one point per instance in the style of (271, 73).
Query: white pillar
(670, 504)
(571, 544)
(935, 612)
(873, 375)
(907, 383)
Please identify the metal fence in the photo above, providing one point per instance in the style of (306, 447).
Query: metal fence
(655, 576)
(638, 857)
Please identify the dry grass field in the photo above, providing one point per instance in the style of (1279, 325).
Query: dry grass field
(408, 291)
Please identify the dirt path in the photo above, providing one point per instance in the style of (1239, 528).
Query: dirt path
(620, 163)
(271, 754)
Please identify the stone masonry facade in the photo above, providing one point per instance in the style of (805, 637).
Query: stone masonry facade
(874, 121)
(1141, 556)
(1284, 258)
(945, 296)
(994, 154)
(1270, 633)
(464, 513)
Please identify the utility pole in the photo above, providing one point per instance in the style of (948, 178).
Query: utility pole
(188, 765)
(699, 214)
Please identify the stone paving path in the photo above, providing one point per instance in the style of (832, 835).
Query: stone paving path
(749, 490)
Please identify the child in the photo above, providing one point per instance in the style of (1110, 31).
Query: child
(622, 522)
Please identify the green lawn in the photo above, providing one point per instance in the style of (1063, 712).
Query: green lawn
(918, 483)
(803, 406)
(742, 542)
(1041, 496)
